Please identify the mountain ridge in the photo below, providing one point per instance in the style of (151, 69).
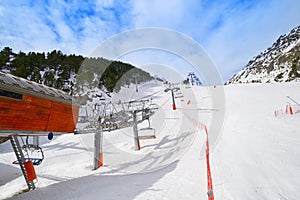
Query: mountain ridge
(278, 63)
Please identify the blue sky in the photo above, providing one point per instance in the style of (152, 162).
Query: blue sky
(231, 32)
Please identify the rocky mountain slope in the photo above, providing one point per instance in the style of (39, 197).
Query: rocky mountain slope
(279, 63)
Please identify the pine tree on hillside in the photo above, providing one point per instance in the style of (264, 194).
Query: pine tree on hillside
(58, 70)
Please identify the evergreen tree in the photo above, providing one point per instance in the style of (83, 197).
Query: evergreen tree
(5, 56)
(21, 66)
(58, 68)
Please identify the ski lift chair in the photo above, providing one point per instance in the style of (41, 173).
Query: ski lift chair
(29, 150)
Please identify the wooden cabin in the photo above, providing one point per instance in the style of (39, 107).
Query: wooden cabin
(31, 107)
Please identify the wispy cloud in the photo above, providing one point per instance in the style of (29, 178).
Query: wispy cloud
(71, 26)
(248, 30)
(232, 32)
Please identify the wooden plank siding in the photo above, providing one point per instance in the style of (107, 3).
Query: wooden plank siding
(37, 114)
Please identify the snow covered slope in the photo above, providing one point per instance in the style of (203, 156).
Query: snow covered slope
(279, 63)
(256, 157)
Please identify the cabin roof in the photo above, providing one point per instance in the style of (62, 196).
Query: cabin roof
(32, 87)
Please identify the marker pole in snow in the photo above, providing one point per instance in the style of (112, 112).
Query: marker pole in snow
(173, 100)
(98, 154)
(210, 192)
(135, 132)
(289, 109)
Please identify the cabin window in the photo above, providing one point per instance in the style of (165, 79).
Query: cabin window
(5, 93)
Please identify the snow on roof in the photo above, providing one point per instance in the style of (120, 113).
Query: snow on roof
(30, 86)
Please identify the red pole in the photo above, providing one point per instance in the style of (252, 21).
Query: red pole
(291, 110)
(173, 100)
(210, 191)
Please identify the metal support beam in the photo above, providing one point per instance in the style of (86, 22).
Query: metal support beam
(36, 141)
(98, 154)
(136, 84)
(21, 160)
(135, 132)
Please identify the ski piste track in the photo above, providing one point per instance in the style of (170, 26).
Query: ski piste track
(183, 106)
(255, 158)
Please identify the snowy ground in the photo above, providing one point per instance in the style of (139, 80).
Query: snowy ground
(256, 156)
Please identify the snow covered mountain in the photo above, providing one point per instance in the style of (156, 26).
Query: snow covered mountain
(279, 63)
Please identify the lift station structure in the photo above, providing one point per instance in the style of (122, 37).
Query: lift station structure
(31, 109)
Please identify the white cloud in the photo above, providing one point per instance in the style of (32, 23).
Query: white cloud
(161, 47)
(248, 31)
(73, 27)
(100, 4)
(24, 30)
(232, 32)
(158, 13)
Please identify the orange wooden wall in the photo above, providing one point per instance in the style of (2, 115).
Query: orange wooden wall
(37, 114)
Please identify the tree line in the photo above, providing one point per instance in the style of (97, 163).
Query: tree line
(59, 70)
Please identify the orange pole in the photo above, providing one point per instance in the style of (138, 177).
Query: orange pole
(30, 171)
(100, 161)
(210, 191)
